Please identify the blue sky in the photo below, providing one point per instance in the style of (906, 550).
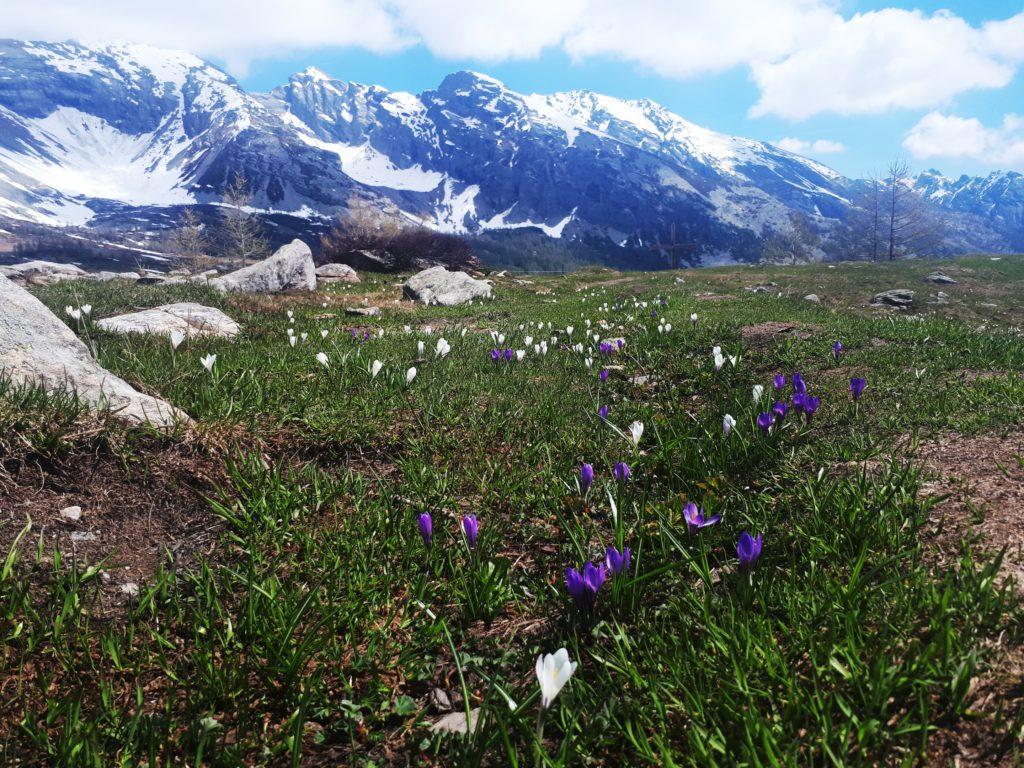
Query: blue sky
(852, 83)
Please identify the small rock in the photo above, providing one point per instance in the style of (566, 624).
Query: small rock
(901, 298)
(938, 277)
(71, 513)
(440, 700)
(83, 536)
(639, 380)
(812, 297)
(362, 311)
(129, 588)
(336, 273)
(456, 722)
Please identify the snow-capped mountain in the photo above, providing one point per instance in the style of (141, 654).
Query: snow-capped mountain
(97, 136)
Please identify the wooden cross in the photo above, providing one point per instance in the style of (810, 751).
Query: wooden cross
(674, 248)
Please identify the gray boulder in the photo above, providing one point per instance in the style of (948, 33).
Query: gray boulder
(941, 279)
(337, 273)
(37, 348)
(897, 297)
(439, 286)
(813, 298)
(291, 268)
(187, 318)
(42, 272)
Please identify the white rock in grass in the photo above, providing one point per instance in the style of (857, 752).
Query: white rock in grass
(185, 318)
(336, 273)
(71, 513)
(439, 286)
(290, 268)
(456, 722)
(36, 347)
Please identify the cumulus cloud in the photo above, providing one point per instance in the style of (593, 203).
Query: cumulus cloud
(950, 136)
(805, 147)
(889, 59)
(803, 55)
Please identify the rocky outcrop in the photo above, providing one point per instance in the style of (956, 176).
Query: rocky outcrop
(900, 298)
(336, 273)
(36, 348)
(439, 286)
(291, 268)
(186, 318)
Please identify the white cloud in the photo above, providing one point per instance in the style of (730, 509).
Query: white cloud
(815, 147)
(889, 59)
(804, 55)
(238, 31)
(951, 136)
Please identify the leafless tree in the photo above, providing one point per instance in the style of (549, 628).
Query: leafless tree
(243, 234)
(189, 241)
(910, 224)
(795, 243)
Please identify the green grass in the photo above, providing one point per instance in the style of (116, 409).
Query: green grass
(315, 631)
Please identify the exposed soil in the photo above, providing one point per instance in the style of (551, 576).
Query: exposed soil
(765, 334)
(983, 480)
(135, 514)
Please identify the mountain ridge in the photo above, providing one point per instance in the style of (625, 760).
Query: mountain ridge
(94, 135)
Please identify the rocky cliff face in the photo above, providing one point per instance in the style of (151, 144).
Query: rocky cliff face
(116, 134)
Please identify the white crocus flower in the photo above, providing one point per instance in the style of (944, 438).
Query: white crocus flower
(758, 392)
(322, 359)
(589, 362)
(410, 375)
(553, 672)
(636, 431)
(428, 329)
(520, 354)
(74, 314)
(668, 327)
(406, 329)
(305, 335)
(208, 362)
(568, 330)
(375, 368)
(463, 332)
(693, 318)
(87, 309)
(323, 333)
(728, 422)
(420, 348)
(293, 340)
(442, 348)
(176, 338)
(501, 338)
(528, 340)
(291, 331)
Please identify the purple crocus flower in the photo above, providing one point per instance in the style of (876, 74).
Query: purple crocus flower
(694, 517)
(426, 526)
(748, 549)
(837, 349)
(471, 528)
(799, 401)
(798, 384)
(508, 354)
(764, 422)
(366, 335)
(780, 381)
(616, 561)
(495, 355)
(621, 471)
(606, 348)
(583, 587)
(811, 407)
(586, 477)
(779, 411)
(604, 374)
(602, 412)
(857, 386)
(620, 343)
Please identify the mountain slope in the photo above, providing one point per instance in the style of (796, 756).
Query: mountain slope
(101, 136)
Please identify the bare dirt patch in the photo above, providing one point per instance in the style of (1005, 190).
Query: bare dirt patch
(983, 482)
(765, 334)
(136, 514)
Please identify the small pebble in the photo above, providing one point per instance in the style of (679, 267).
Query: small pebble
(71, 513)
